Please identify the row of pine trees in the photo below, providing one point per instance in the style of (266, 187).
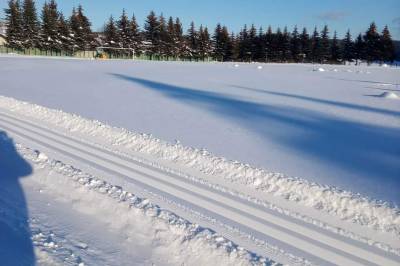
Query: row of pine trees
(165, 37)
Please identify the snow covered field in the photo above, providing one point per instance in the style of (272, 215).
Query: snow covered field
(166, 203)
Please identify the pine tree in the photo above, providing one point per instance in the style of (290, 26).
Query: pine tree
(296, 45)
(64, 34)
(14, 30)
(277, 45)
(305, 44)
(192, 38)
(387, 46)
(152, 33)
(163, 42)
(260, 46)
(244, 45)
(80, 28)
(348, 48)
(30, 24)
(335, 49)
(372, 44)
(286, 51)
(124, 31)
(111, 34)
(227, 44)
(179, 39)
(325, 47)
(315, 46)
(49, 33)
(171, 38)
(218, 48)
(252, 40)
(135, 38)
(359, 49)
(269, 37)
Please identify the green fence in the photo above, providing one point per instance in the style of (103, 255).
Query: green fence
(94, 54)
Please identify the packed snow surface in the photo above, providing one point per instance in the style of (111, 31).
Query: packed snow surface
(323, 127)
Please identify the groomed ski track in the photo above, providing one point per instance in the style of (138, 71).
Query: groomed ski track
(246, 223)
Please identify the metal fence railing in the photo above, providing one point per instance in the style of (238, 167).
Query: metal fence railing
(95, 54)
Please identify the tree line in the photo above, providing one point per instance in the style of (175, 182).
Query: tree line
(165, 37)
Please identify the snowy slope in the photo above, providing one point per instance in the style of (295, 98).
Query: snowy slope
(327, 127)
(120, 168)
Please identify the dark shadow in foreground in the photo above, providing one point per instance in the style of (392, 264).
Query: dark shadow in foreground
(16, 246)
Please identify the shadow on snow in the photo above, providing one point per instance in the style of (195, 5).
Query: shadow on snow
(16, 246)
(368, 151)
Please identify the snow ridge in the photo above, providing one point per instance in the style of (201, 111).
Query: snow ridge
(189, 232)
(344, 204)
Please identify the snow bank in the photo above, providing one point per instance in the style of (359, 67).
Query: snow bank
(346, 205)
(389, 95)
(186, 241)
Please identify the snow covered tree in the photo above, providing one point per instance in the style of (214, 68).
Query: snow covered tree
(30, 24)
(305, 44)
(152, 34)
(325, 47)
(347, 48)
(252, 42)
(124, 31)
(193, 41)
(269, 37)
(135, 38)
(359, 49)
(111, 34)
(14, 22)
(80, 27)
(387, 46)
(286, 51)
(179, 39)
(315, 46)
(372, 44)
(296, 45)
(335, 49)
(205, 47)
(64, 34)
(49, 31)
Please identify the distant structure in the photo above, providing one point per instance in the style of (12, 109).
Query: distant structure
(3, 29)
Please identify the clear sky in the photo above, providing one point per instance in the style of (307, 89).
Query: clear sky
(338, 14)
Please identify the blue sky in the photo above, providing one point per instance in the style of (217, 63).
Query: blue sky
(338, 14)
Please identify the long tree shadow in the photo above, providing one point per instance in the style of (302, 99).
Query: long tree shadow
(16, 246)
(322, 101)
(368, 151)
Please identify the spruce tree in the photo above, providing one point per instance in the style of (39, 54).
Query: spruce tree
(325, 52)
(64, 34)
(193, 42)
(252, 40)
(218, 48)
(172, 49)
(286, 51)
(135, 38)
(305, 45)
(277, 46)
(387, 46)
(152, 33)
(163, 41)
(179, 39)
(124, 31)
(315, 46)
(359, 49)
(335, 49)
(296, 45)
(348, 48)
(111, 34)
(49, 33)
(372, 44)
(260, 42)
(227, 44)
(30, 24)
(80, 27)
(269, 37)
(14, 30)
